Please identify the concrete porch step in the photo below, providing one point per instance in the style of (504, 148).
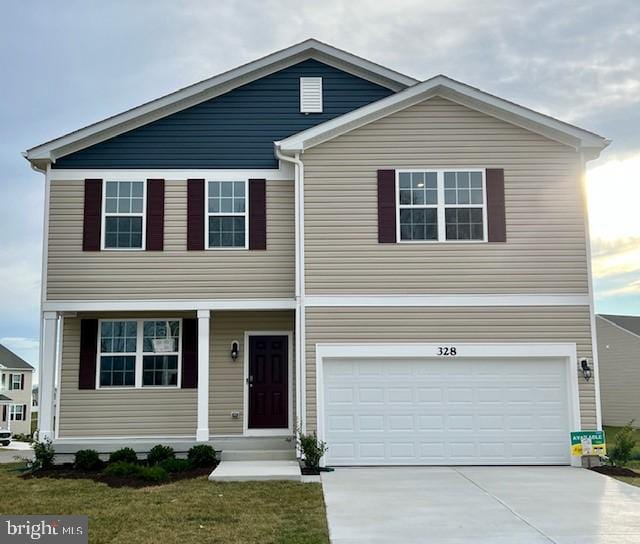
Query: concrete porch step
(243, 471)
(259, 455)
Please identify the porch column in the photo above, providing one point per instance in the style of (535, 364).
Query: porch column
(47, 375)
(202, 432)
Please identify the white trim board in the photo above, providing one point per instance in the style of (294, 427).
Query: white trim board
(567, 351)
(168, 305)
(246, 431)
(446, 300)
(212, 87)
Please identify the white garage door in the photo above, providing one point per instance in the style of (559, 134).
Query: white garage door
(455, 411)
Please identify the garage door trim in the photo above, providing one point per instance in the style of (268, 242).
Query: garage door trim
(566, 351)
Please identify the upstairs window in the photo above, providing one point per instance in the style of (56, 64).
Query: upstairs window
(226, 215)
(441, 205)
(124, 204)
(16, 381)
(311, 94)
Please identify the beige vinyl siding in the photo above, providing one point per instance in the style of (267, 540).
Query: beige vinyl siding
(123, 412)
(545, 249)
(619, 363)
(226, 379)
(450, 325)
(175, 273)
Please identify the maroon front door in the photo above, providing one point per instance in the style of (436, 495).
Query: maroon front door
(268, 382)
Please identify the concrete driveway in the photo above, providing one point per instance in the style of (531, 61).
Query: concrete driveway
(20, 449)
(480, 505)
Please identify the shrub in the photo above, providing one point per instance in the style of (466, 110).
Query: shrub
(160, 453)
(175, 465)
(202, 455)
(312, 449)
(124, 455)
(620, 453)
(87, 460)
(19, 437)
(153, 474)
(122, 469)
(43, 455)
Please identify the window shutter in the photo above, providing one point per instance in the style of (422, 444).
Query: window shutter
(92, 215)
(387, 206)
(496, 227)
(257, 214)
(189, 353)
(88, 353)
(22, 382)
(195, 214)
(10, 382)
(24, 412)
(4, 412)
(155, 215)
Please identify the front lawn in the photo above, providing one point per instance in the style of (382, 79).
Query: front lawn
(188, 511)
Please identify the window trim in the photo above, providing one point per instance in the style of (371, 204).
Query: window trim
(139, 354)
(208, 214)
(12, 385)
(12, 412)
(103, 218)
(441, 206)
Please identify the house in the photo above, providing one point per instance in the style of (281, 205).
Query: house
(619, 355)
(16, 376)
(313, 240)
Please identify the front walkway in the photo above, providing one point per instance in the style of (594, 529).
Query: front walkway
(483, 505)
(15, 449)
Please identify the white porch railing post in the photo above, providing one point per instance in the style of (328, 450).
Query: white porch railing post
(202, 430)
(47, 374)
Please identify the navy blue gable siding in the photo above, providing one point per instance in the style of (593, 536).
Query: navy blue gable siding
(234, 130)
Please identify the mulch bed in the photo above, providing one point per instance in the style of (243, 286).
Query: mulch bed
(66, 471)
(616, 471)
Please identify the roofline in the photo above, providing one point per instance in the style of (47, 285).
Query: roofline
(590, 143)
(30, 369)
(212, 87)
(617, 325)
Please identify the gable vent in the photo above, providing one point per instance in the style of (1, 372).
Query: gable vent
(311, 94)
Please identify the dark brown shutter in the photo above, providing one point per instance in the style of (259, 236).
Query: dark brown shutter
(155, 215)
(92, 214)
(88, 353)
(497, 228)
(195, 214)
(257, 214)
(10, 382)
(4, 412)
(24, 412)
(22, 382)
(386, 206)
(189, 353)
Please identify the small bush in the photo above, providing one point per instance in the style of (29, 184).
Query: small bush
(43, 455)
(202, 455)
(124, 455)
(620, 453)
(87, 460)
(312, 449)
(160, 453)
(153, 474)
(175, 465)
(121, 469)
(19, 437)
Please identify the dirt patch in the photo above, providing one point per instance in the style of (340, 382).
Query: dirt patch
(616, 471)
(67, 472)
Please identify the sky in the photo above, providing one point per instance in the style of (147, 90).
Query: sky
(68, 63)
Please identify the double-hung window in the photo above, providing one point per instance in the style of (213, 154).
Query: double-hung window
(124, 203)
(16, 412)
(139, 353)
(226, 215)
(16, 381)
(441, 205)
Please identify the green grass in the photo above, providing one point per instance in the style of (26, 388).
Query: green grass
(34, 422)
(610, 434)
(188, 511)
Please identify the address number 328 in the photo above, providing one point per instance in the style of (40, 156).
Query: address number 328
(447, 351)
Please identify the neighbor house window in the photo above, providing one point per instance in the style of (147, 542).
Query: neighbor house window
(226, 214)
(17, 412)
(124, 214)
(16, 381)
(140, 353)
(441, 206)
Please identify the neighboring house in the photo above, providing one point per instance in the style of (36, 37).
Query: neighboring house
(313, 239)
(34, 399)
(15, 392)
(619, 356)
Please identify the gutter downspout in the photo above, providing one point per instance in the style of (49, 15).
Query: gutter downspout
(299, 286)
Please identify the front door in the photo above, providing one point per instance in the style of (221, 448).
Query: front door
(268, 382)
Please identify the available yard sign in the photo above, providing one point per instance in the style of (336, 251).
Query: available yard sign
(588, 443)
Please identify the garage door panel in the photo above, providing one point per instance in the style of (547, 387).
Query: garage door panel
(430, 411)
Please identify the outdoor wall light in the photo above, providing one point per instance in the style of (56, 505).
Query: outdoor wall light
(235, 349)
(586, 369)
